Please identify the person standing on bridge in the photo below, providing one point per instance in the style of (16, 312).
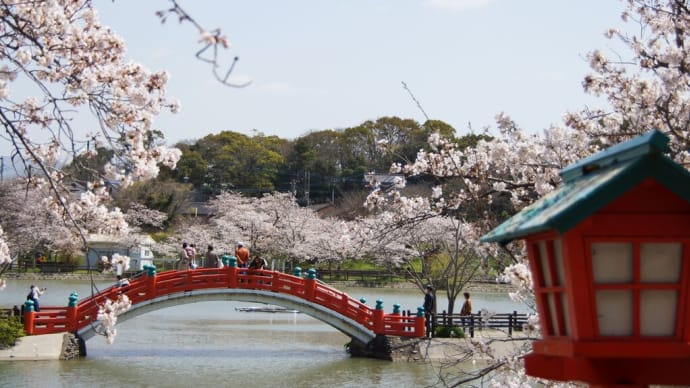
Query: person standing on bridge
(429, 308)
(183, 261)
(35, 293)
(242, 254)
(121, 282)
(191, 254)
(211, 259)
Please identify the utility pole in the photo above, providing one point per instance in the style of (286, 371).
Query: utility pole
(307, 183)
(2, 168)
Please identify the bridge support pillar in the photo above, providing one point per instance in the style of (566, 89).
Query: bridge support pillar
(379, 348)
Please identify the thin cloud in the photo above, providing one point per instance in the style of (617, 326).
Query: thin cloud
(457, 4)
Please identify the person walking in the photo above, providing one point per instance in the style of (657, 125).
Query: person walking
(429, 308)
(211, 258)
(34, 294)
(242, 254)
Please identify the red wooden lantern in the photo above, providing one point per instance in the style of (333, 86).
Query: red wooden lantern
(610, 256)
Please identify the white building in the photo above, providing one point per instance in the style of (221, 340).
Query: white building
(138, 249)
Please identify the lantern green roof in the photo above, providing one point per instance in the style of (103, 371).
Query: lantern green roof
(593, 182)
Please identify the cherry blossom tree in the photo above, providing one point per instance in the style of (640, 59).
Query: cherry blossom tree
(649, 86)
(647, 90)
(273, 224)
(32, 229)
(67, 90)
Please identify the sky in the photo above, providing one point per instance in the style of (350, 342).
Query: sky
(333, 64)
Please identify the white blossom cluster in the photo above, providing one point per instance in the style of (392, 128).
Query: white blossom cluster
(646, 87)
(5, 258)
(117, 262)
(107, 316)
(66, 88)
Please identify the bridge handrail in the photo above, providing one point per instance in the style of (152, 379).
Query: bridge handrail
(84, 312)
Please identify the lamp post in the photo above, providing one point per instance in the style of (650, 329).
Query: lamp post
(610, 256)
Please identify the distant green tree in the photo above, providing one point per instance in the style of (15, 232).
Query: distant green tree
(192, 168)
(166, 196)
(231, 160)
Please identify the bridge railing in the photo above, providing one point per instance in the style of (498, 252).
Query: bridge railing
(143, 288)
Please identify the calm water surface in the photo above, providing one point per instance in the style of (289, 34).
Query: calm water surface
(210, 344)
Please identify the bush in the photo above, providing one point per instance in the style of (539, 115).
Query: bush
(448, 332)
(10, 329)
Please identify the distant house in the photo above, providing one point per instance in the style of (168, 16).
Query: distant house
(383, 181)
(138, 250)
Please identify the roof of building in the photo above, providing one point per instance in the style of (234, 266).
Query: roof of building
(594, 182)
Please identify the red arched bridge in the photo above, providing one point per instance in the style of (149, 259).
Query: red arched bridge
(154, 291)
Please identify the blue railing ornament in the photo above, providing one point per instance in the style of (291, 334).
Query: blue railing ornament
(150, 269)
(73, 299)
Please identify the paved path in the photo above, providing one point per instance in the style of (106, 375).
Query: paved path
(35, 348)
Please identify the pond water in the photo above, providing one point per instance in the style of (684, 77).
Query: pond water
(213, 344)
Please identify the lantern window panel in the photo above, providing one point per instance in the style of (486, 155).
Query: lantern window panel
(545, 264)
(566, 314)
(553, 312)
(558, 260)
(661, 262)
(658, 312)
(557, 308)
(615, 312)
(612, 262)
(551, 278)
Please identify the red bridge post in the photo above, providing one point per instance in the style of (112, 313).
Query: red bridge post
(420, 323)
(232, 271)
(310, 285)
(379, 325)
(29, 316)
(150, 280)
(72, 312)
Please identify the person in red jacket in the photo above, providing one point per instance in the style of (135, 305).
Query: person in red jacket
(242, 254)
